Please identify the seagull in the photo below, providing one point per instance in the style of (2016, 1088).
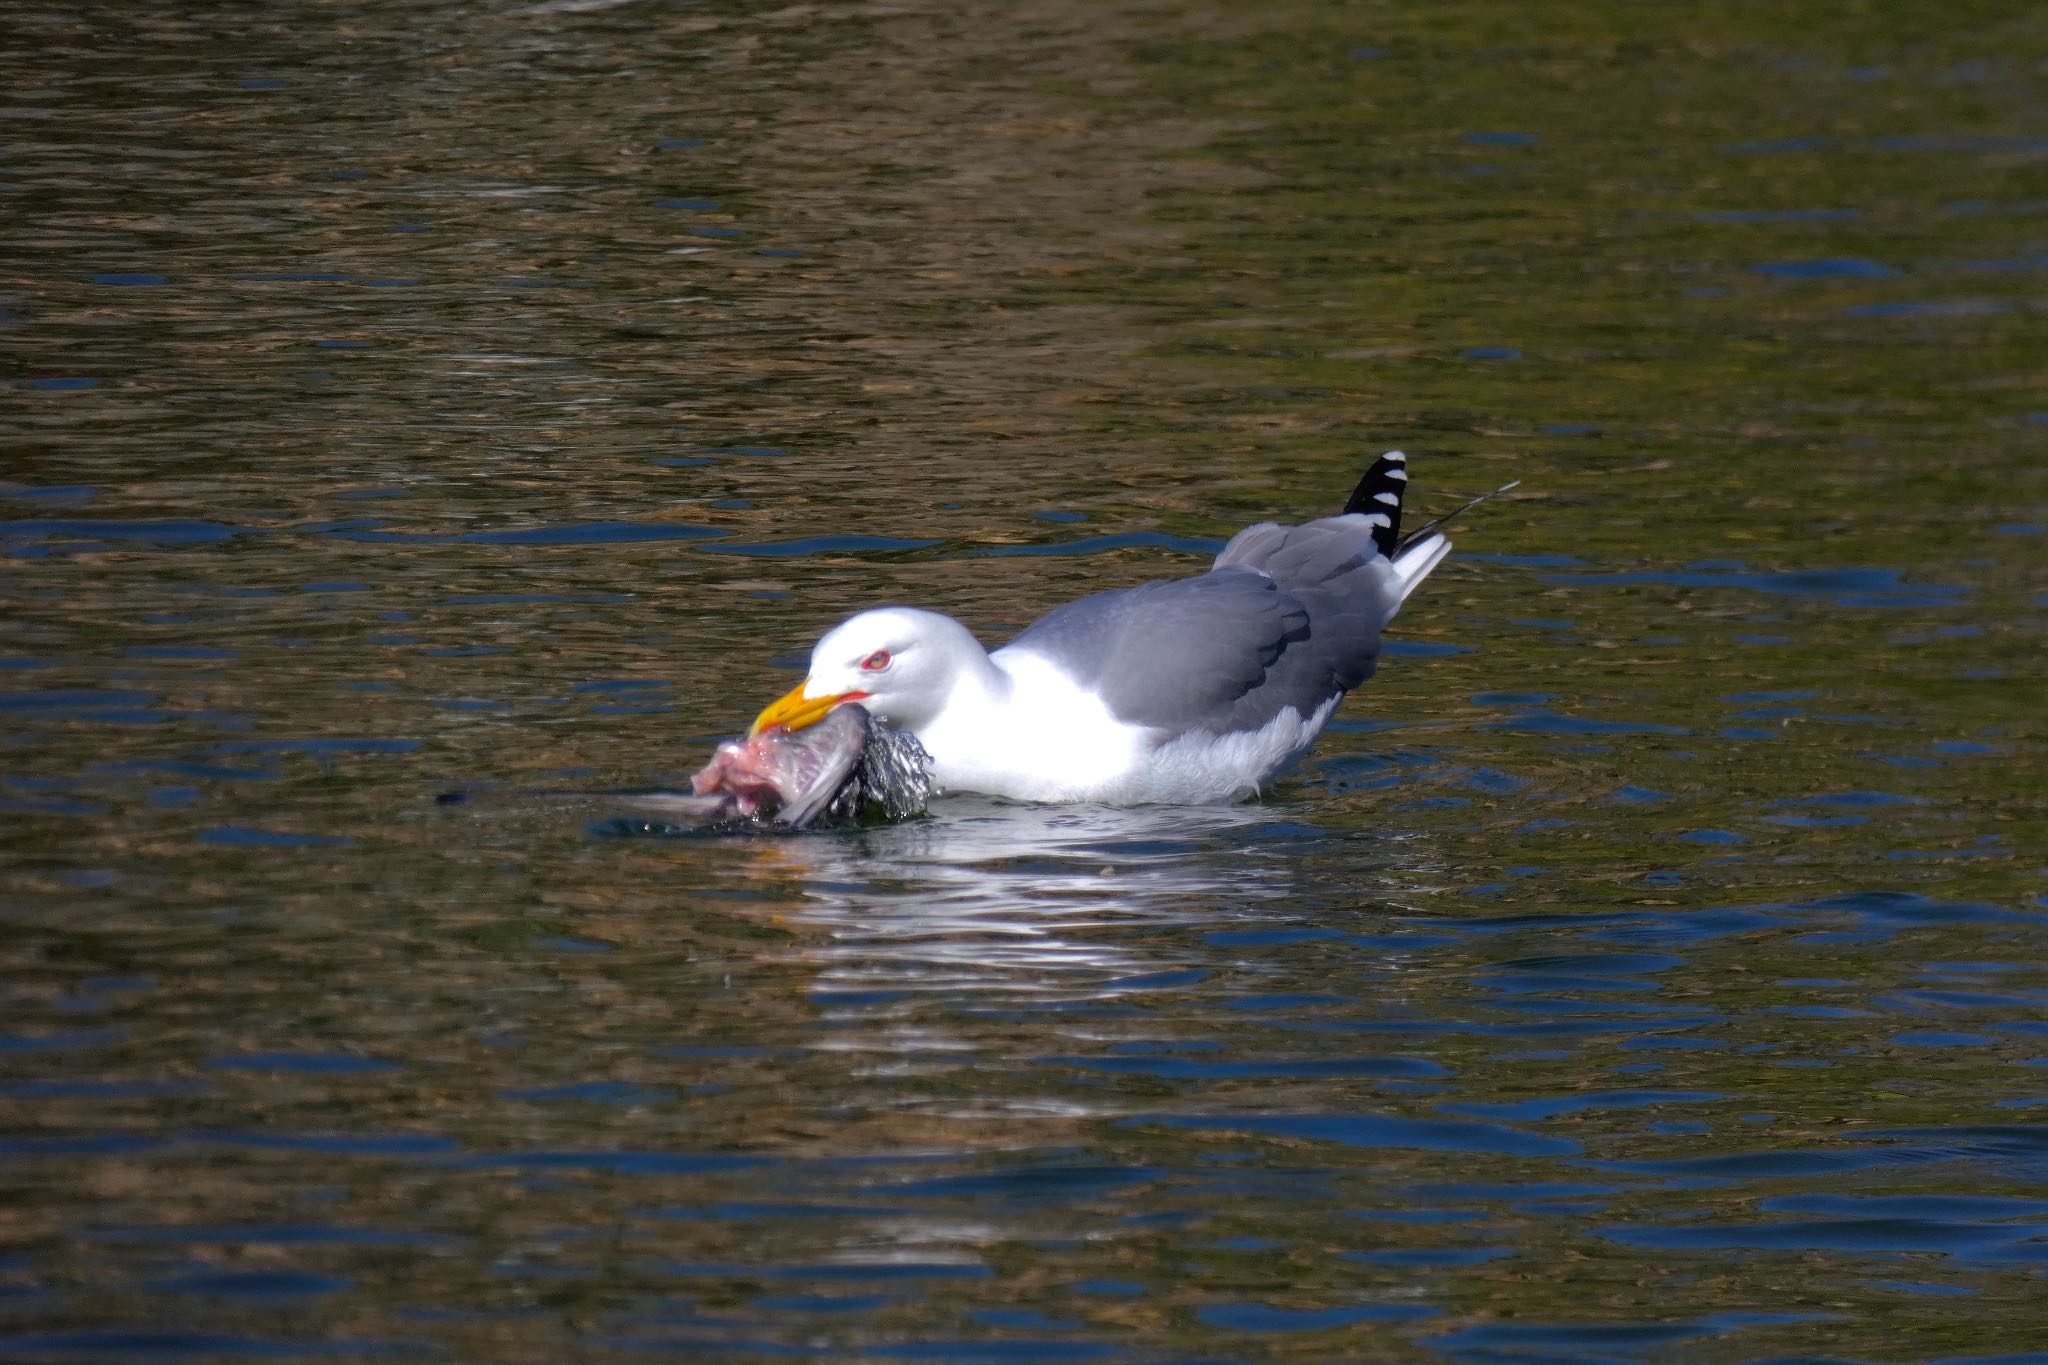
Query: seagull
(1181, 691)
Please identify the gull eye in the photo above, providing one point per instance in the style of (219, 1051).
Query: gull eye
(876, 661)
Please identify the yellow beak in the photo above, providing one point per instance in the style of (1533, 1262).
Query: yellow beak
(794, 710)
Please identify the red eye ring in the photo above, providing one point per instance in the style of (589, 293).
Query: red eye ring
(876, 661)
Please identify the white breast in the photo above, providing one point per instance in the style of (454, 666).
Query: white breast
(1052, 740)
(1047, 740)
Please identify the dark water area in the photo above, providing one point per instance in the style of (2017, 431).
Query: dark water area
(1647, 966)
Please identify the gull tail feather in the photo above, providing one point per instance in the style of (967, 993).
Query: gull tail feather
(1425, 547)
(1421, 553)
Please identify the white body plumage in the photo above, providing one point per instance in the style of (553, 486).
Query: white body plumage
(1183, 691)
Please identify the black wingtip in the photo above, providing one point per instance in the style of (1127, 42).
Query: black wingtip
(1378, 497)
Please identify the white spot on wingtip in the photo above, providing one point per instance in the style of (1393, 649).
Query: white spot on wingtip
(1395, 455)
(1400, 474)
(1390, 499)
(1377, 519)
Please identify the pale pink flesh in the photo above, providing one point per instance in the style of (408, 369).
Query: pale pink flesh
(764, 769)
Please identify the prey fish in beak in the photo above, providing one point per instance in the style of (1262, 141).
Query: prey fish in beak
(844, 768)
(794, 776)
(793, 710)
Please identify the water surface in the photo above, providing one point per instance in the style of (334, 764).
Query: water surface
(1647, 966)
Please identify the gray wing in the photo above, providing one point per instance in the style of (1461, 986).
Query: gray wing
(1290, 617)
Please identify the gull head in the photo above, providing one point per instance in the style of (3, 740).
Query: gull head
(900, 663)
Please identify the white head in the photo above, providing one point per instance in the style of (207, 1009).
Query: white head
(901, 663)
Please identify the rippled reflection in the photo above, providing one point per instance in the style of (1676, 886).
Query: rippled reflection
(987, 905)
